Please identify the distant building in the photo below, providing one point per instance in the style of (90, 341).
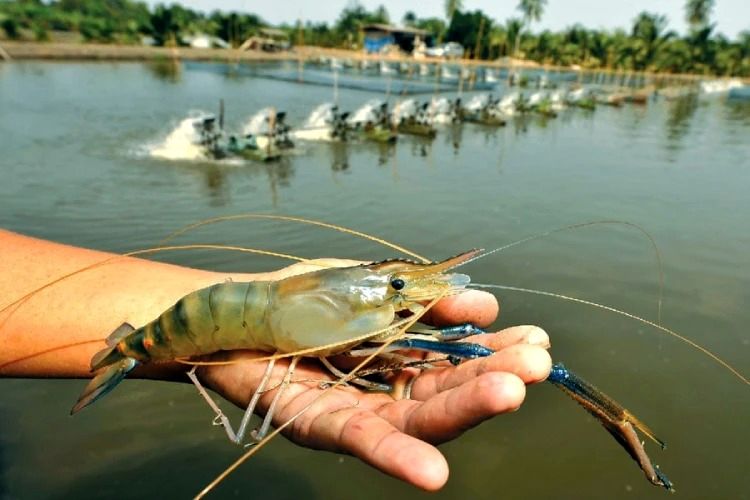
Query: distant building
(378, 37)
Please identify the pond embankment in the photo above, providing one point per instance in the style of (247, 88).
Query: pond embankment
(99, 51)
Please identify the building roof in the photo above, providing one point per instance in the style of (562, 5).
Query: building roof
(389, 28)
(273, 32)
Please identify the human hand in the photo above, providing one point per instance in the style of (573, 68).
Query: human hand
(397, 436)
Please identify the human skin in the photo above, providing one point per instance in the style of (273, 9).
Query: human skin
(56, 330)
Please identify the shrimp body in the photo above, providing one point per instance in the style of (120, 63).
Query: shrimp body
(325, 312)
(297, 313)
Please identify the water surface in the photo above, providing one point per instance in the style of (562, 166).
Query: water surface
(74, 164)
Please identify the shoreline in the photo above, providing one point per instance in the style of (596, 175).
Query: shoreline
(24, 50)
(61, 51)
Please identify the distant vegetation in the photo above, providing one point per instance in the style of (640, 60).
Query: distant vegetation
(647, 46)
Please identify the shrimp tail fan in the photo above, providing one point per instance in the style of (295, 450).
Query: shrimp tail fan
(105, 380)
(110, 366)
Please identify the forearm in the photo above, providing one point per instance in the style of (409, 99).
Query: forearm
(56, 330)
(64, 320)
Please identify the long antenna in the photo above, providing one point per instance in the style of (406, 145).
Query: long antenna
(626, 314)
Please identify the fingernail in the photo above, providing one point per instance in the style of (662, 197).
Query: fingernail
(539, 337)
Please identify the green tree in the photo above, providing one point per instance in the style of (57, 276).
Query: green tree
(10, 26)
(513, 28)
(354, 16)
(532, 11)
(498, 41)
(451, 7)
(674, 57)
(410, 18)
(380, 15)
(233, 27)
(465, 29)
(698, 12)
(165, 24)
(434, 25)
(648, 36)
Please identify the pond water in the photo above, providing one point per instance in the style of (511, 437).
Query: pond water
(75, 165)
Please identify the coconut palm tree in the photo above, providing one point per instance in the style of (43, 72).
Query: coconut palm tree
(697, 12)
(532, 11)
(648, 37)
(451, 6)
(498, 41)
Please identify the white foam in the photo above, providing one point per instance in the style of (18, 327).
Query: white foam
(258, 123)
(182, 143)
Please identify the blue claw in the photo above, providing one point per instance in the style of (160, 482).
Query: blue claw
(617, 420)
(558, 374)
(458, 332)
(462, 350)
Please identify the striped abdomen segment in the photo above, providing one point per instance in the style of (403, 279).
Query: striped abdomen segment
(224, 316)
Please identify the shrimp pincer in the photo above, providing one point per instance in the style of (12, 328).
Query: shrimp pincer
(365, 310)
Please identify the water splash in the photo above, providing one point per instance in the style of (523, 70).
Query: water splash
(182, 143)
(259, 123)
(369, 112)
(321, 116)
(319, 125)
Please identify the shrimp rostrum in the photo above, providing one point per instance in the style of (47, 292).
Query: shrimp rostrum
(363, 310)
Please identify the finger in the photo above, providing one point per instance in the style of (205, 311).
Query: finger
(343, 421)
(379, 443)
(448, 414)
(473, 306)
(523, 334)
(529, 363)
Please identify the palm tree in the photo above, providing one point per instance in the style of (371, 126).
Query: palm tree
(498, 42)
(532, 11)
(674, 57)
(513, 29)
(648, 37)
(697, 12)
(451, 6)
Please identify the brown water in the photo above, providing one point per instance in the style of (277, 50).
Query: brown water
(73, 142)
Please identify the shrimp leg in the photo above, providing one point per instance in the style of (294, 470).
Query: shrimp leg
(222, 419)
(254, 401)
(374, 386)
(261, 432)
(617, 420)
(457, 332)
(459, 350)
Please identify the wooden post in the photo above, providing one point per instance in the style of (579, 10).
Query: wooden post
(478, 45)
(4, 55)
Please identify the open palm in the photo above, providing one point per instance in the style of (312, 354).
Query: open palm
(397, 436)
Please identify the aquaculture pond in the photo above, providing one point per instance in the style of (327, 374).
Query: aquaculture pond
(85, 154)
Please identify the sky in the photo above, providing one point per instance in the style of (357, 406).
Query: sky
(730, 16)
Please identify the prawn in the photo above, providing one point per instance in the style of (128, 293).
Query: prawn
(323, 313)
(331, 311)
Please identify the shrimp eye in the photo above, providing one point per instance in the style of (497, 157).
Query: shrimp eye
(398, 284)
